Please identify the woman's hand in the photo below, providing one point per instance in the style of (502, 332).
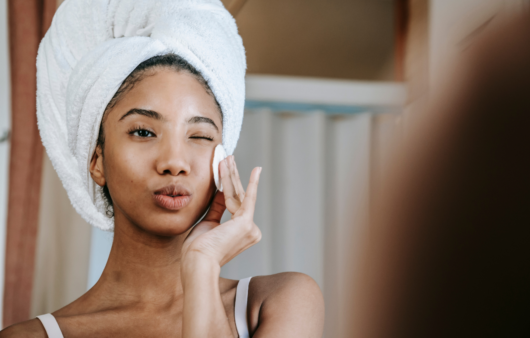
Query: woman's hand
(220, 243)
(209, 246)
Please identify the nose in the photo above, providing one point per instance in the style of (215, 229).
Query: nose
(172, 158)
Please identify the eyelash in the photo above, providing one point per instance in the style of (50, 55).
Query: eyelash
(202, 137)
(137, 129)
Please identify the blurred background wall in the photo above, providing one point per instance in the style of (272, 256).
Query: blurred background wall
(342, 39)
(331, 87)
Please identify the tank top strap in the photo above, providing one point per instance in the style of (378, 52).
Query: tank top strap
(50, 326)
(240, 310)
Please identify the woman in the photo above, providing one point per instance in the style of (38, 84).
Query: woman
(148, 146)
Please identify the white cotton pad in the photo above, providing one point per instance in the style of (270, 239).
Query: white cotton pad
(218, 156)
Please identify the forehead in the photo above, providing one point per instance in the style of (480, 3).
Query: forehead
(173, 94)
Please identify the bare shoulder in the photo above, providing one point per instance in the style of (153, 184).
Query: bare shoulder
(291, 284)
(31, 328)
(288, 302)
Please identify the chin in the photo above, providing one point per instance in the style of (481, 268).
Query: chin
(169, 224)
(175, 226)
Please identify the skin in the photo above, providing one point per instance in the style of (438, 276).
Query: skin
(162, 279)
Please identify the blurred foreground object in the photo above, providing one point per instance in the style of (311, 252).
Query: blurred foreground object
(449, 247)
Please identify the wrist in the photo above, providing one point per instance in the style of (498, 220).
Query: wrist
(195, 258)
(198, 264)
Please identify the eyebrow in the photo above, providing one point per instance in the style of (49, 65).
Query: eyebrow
(149, 113)
(202, 119)
(157, 116)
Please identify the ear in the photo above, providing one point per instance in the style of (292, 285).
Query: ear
(96, 167)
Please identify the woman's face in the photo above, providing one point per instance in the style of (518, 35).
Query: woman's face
(159, 144)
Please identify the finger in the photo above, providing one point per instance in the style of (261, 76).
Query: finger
(236, 179)
(231, 200)
(226, 180)
(252, 193)
(217, 208)
(231, 171)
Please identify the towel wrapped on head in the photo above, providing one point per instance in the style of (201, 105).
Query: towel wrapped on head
(93, 45)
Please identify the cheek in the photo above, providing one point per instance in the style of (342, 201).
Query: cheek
(203, 174)
(126, 170)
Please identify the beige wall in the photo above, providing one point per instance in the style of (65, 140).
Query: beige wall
(346, 39)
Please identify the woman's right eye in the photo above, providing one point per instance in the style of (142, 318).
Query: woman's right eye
(142, 133)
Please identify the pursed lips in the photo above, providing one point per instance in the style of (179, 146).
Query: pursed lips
(172, 197)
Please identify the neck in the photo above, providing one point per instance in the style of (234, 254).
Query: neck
(142, 267)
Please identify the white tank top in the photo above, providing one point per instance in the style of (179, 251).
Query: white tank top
(240, 313)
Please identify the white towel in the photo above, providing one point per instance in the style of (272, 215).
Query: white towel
(91, 47)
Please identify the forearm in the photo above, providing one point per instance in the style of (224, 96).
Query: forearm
(204, 314)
